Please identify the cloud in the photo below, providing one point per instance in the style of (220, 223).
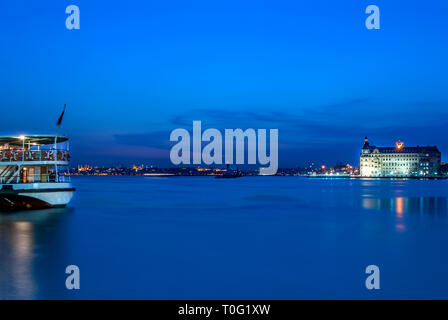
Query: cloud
(255, 116)
(325, 132)
(156, 139)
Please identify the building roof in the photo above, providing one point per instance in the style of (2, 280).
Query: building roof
(418, 149)
(400, 148)
(36, 140)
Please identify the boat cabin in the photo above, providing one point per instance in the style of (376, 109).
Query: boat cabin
(34, 159)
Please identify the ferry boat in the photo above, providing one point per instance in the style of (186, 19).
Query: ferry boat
(34, 172)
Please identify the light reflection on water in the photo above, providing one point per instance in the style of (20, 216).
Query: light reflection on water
(19, 232)
(376, 195)
(404, 205)
(248, 238)
(20, 238)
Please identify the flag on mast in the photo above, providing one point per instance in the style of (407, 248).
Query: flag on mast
(61, 116)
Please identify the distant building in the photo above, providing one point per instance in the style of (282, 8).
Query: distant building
(444, 169)
(399, 161)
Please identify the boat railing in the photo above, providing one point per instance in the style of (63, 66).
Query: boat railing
(34, 155)
(35, 178)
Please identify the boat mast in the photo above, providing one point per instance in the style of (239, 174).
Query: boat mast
(56, 156)
(19, 167)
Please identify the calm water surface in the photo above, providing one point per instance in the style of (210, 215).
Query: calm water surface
(247, 238)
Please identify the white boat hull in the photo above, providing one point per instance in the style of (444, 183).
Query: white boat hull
(35, 195)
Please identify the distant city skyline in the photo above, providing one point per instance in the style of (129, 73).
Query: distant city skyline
(136, 71)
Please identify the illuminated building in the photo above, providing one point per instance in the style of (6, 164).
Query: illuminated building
(84, 168)
(399, 161)
(137, 167)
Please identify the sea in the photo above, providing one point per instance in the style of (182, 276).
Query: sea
(136, 237)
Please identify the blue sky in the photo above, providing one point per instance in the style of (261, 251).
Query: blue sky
(138, 69)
